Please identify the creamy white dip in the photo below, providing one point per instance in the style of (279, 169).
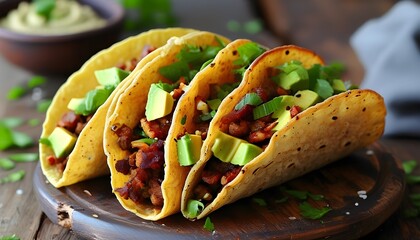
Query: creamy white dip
(68, 16)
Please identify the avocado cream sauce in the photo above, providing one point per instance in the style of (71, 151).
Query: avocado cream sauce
(68, 16)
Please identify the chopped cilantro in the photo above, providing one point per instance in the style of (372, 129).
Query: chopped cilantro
(323, 88)
(12, 122)
(22, 140)
(6, 164)
(93, 100)
(13, 177)
(44, 7)
(409, 166)
(208, 225)
(11, 138)
(194, 207)
(308, 211)
(36, 81)
(189, 60)
(45, 141)
(24, 157)
(253, 26)
(144, 14)
(16, 93)
(10, 237)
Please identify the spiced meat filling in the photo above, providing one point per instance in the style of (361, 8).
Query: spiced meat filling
(240, 124)
(145, 163)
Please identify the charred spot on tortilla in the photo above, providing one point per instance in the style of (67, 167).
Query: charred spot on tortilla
(234, 53)
(287, 52)
(212, 64)
(334, 118)
(322, 146)
(347, 144)
(299, 148)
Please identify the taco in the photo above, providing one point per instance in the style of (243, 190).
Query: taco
(290, 115)
(199, 104)
(146, 179)
(71, 148)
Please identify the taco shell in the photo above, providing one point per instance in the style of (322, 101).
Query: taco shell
(313, 138)
(130, 108)
(87, 159)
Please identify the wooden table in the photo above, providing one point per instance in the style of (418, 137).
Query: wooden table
(286, 22)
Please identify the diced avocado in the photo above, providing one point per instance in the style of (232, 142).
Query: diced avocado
(111, 76)
(306, 98)
(295, 80)
(225, 146)
(75, 103)
(62, 142)
(282, 119)
(159, 103)
(245, 153)
(189, 147)
(338, 86)
(267, 108)
(287, 102)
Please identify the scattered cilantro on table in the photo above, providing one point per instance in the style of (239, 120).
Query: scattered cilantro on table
(252, 27)
(412, 180)
(17, 92)
(13, 177)
(11, 138)
(144, 14)
(10, 237)
(307, 210)
(208, 225)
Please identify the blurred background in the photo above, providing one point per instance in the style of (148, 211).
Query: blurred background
(324, 26)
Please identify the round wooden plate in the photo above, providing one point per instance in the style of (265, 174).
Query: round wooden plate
(90, 209)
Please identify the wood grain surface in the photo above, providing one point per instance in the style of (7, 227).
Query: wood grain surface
(91, 210)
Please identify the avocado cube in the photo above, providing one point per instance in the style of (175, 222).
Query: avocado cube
(62, 142)
(189, 148)
(282, 119)
(295, 80)
(225, 146)
(245, 153)
(159, 103)
(306, 98)
(111, 76)
(287, 102)
(338, 86)
(75, 103)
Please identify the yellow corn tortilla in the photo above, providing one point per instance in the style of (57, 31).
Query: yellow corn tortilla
(130, 108)
(219, 72)
(87, 160)
(315, 137)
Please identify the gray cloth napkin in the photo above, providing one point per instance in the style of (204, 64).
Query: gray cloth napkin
(389, 49)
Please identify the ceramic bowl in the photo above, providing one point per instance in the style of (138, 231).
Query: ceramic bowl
(60, 54)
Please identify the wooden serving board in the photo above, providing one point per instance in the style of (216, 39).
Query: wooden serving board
(91, 210)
